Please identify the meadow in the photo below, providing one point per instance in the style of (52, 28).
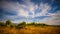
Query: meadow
(31, 28)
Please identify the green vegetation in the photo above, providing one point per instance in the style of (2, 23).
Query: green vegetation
(8, 23)
(2, 24)
(21, 25)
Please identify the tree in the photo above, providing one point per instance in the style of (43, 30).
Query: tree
(21, 25)
(41, 24)
(9, 23)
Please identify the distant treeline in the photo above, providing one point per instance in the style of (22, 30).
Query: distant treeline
(8, 23)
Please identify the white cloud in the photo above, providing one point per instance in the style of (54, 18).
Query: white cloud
(22, 13)
(54, 19)
(16, 7)
(31, 7)
(21, 9)
(44, 7)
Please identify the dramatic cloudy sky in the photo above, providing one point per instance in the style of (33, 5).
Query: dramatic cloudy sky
(44, 11)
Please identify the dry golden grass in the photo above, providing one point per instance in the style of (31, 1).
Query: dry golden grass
(30, 30)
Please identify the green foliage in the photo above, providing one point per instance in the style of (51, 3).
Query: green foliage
(2, 24)
(9, 23)
(21, 25)
(33, 23)
(37, 24)
(41, 24)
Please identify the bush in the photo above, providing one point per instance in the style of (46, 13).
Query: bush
(32, 23)
(9, 23)
(21, 25)
(42, 24)
(2, 24)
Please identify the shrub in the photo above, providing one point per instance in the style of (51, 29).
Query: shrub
(33, 23)
(2, 24)
(21, 25)
(42, 24)
(9, 23)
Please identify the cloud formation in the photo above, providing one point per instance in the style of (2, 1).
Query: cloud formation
(30, 10)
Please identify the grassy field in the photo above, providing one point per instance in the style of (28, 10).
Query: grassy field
(31, 30)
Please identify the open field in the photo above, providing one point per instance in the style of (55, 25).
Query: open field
(31, 30)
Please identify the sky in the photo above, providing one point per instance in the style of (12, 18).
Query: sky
(42, 11)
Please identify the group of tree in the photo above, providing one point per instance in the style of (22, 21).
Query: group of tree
(8, 23)
(37, 24)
